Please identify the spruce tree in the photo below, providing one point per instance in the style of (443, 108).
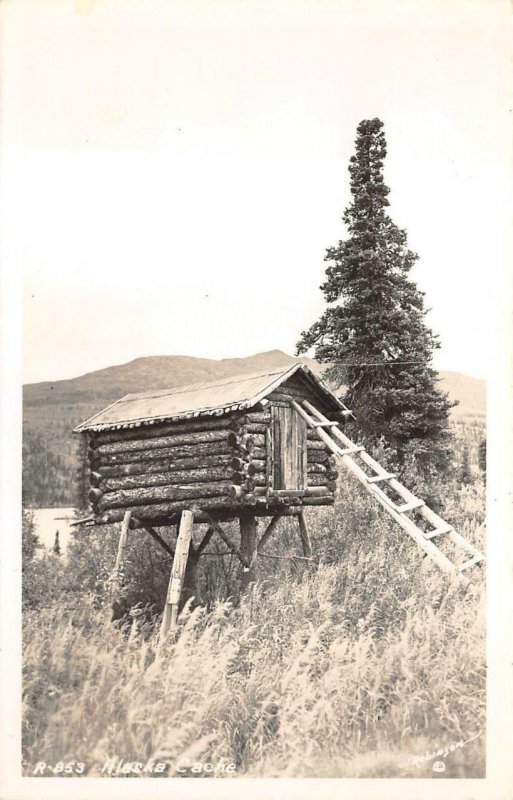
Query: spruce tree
(373, 333)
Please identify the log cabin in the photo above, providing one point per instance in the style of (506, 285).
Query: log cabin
(222, 447)
(254, 445)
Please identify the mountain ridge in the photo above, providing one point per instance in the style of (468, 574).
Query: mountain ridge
(160, 372)
(51, 409)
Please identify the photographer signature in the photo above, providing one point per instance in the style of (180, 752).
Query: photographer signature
(443, 752)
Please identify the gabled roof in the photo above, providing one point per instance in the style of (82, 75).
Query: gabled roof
(201, 399)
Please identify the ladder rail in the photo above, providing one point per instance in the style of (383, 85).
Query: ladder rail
(405, 523)
(427, 513)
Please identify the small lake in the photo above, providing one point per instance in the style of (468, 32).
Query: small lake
(48, 521)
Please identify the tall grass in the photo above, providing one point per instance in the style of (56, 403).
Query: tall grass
(349, 668)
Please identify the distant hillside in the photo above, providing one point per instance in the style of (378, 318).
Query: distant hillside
(52, 409)
(471, 393)
(154, 372)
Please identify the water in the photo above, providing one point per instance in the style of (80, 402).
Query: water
(49, 520)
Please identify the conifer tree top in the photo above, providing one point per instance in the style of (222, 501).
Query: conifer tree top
(373, 332)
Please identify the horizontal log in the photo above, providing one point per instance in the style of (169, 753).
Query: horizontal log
(169, 478)
(259, 479)
(321, 480)
(257, 416)
(313, 491)
(326, 500)
(167, 511)
(316, 468)
(220, 514)
(175, 440)
(165, 465)
(312, 435)
(230, 422)
(95, 495)
(250, 466)
(128, 498)
(316, 444)
(197, 467)
(172, 453)
(323, 457)
(248, 483)
(247, 442)
(258, 453)
(94, 478)
(256, 427)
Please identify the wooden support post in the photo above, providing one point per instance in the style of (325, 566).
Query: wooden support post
(191, 584)
(118, 605)
(248, 548)
(123, 539)
(305, 538)
(170, 616)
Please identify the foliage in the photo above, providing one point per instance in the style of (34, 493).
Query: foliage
(465, 475)
(29, 540)
(51, 455)
(482, 456)
(373, 333)
(43, 473)
(333, 674)
(43, 579)
(346, 668)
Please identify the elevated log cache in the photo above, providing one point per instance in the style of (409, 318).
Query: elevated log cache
(211, 464)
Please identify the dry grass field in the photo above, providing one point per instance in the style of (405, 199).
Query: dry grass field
(367, 664)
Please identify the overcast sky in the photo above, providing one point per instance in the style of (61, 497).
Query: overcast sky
(174, 171)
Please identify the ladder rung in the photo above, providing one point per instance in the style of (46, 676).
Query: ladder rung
(323, 424)
(439, 531)
(385, 477)
(350, 450)
(410, 506)
(471, 562)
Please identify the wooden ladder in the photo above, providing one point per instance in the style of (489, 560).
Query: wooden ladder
(347, 452)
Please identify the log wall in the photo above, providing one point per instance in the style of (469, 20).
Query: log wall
(214, 464)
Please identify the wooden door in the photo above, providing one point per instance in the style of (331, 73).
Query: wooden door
(288, 449)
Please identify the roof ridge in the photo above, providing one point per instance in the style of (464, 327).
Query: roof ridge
(182, 388)
(221, 396)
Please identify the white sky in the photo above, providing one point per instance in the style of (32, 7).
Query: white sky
(174, 171)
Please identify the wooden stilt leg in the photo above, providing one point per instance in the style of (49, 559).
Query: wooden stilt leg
(305, 538)
(118, 609)
(170, 616)
(123, 539)
(191, 583)
(248, 548)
